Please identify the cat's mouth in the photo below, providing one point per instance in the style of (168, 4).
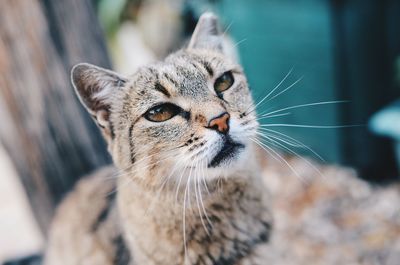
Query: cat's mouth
(229, 151)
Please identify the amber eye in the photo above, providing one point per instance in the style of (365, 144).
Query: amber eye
(224, 82)
(162, 112)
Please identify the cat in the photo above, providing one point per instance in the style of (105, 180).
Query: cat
(190, 184)
(186, 186)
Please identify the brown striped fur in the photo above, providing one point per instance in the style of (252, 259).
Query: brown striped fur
(173, 205)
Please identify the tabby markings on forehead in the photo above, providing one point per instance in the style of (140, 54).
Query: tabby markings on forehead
(153, 71)
(206, 64)
(208, 68)
(186, 73)
(131, 146)
(162, 89)
(203, 62)
(193, 83)
(171, 80)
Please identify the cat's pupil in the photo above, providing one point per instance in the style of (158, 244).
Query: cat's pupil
(224, 82)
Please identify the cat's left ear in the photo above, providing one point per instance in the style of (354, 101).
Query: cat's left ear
(95, 88)
(207, 34)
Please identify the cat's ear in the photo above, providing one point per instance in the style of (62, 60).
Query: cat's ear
(95, 87)
(207, 34)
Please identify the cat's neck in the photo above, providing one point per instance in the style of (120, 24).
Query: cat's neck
(160, 227)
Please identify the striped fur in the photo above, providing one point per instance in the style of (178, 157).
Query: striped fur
(172, 204)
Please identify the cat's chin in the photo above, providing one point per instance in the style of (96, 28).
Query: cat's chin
(228, 153)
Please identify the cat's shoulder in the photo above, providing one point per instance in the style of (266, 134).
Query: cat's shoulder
(85, 223)
(89, 197)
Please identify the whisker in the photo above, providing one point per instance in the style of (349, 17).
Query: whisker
(261, 144)
(166, 179)
(295, 141)
(306, 105)
(290, 143)
(188, 183)
(137, 169)
(130, 180)
(272, 91)
(280, 145)
(203, 173)
(286, 89)
(273, 116)
(179, 161)
(227, 28)
(184, 214)
(179, 183)
(123, 170)
(312, 126)
(199, 197)
(239, 42)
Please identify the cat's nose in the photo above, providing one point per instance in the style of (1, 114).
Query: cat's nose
(220, 123)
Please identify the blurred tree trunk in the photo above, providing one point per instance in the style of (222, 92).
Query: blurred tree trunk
(46, 132)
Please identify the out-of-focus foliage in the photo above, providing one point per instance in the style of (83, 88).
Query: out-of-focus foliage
(113, 12)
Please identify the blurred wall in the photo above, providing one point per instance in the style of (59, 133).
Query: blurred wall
(277, 36)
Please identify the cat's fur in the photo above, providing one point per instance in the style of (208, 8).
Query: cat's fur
(164, 202)
(161, 195)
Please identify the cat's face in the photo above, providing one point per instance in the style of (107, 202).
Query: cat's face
(192, 110)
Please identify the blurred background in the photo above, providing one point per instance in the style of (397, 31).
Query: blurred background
(328, 50)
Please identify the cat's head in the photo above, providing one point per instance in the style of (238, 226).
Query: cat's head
(191, 111)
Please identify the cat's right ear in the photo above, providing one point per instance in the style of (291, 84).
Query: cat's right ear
(95, 87)
(207, 34)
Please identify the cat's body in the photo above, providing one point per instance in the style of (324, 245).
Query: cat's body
(85, 229)
(188, 187)
(135, 228)
(334, 219)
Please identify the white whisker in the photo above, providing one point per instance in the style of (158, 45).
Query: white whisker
(227, 28)
(203, 177)
(311, 126)
(272, 91)
(199, 198)
(166, 179)
(179, 184)
(239, 42)
(132, 173)
(306, 105)
(186, 193)
(286, 89)
(301, 144)
(280, 145)
(281, 158)
(273, 116)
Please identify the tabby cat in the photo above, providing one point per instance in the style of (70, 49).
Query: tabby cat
(186, 185)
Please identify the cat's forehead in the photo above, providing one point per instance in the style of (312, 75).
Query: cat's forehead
(205, 59)
(180, 74)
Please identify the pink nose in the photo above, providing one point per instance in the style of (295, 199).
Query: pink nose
(220, 123)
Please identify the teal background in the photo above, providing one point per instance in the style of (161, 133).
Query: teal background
(275, 36)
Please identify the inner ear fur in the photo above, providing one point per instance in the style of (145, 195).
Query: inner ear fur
(95, 86)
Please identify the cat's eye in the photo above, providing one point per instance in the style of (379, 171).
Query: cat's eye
(224, 82)
(162, 112)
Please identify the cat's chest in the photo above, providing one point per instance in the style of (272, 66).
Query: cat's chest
(230, 241)
(214, 236)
